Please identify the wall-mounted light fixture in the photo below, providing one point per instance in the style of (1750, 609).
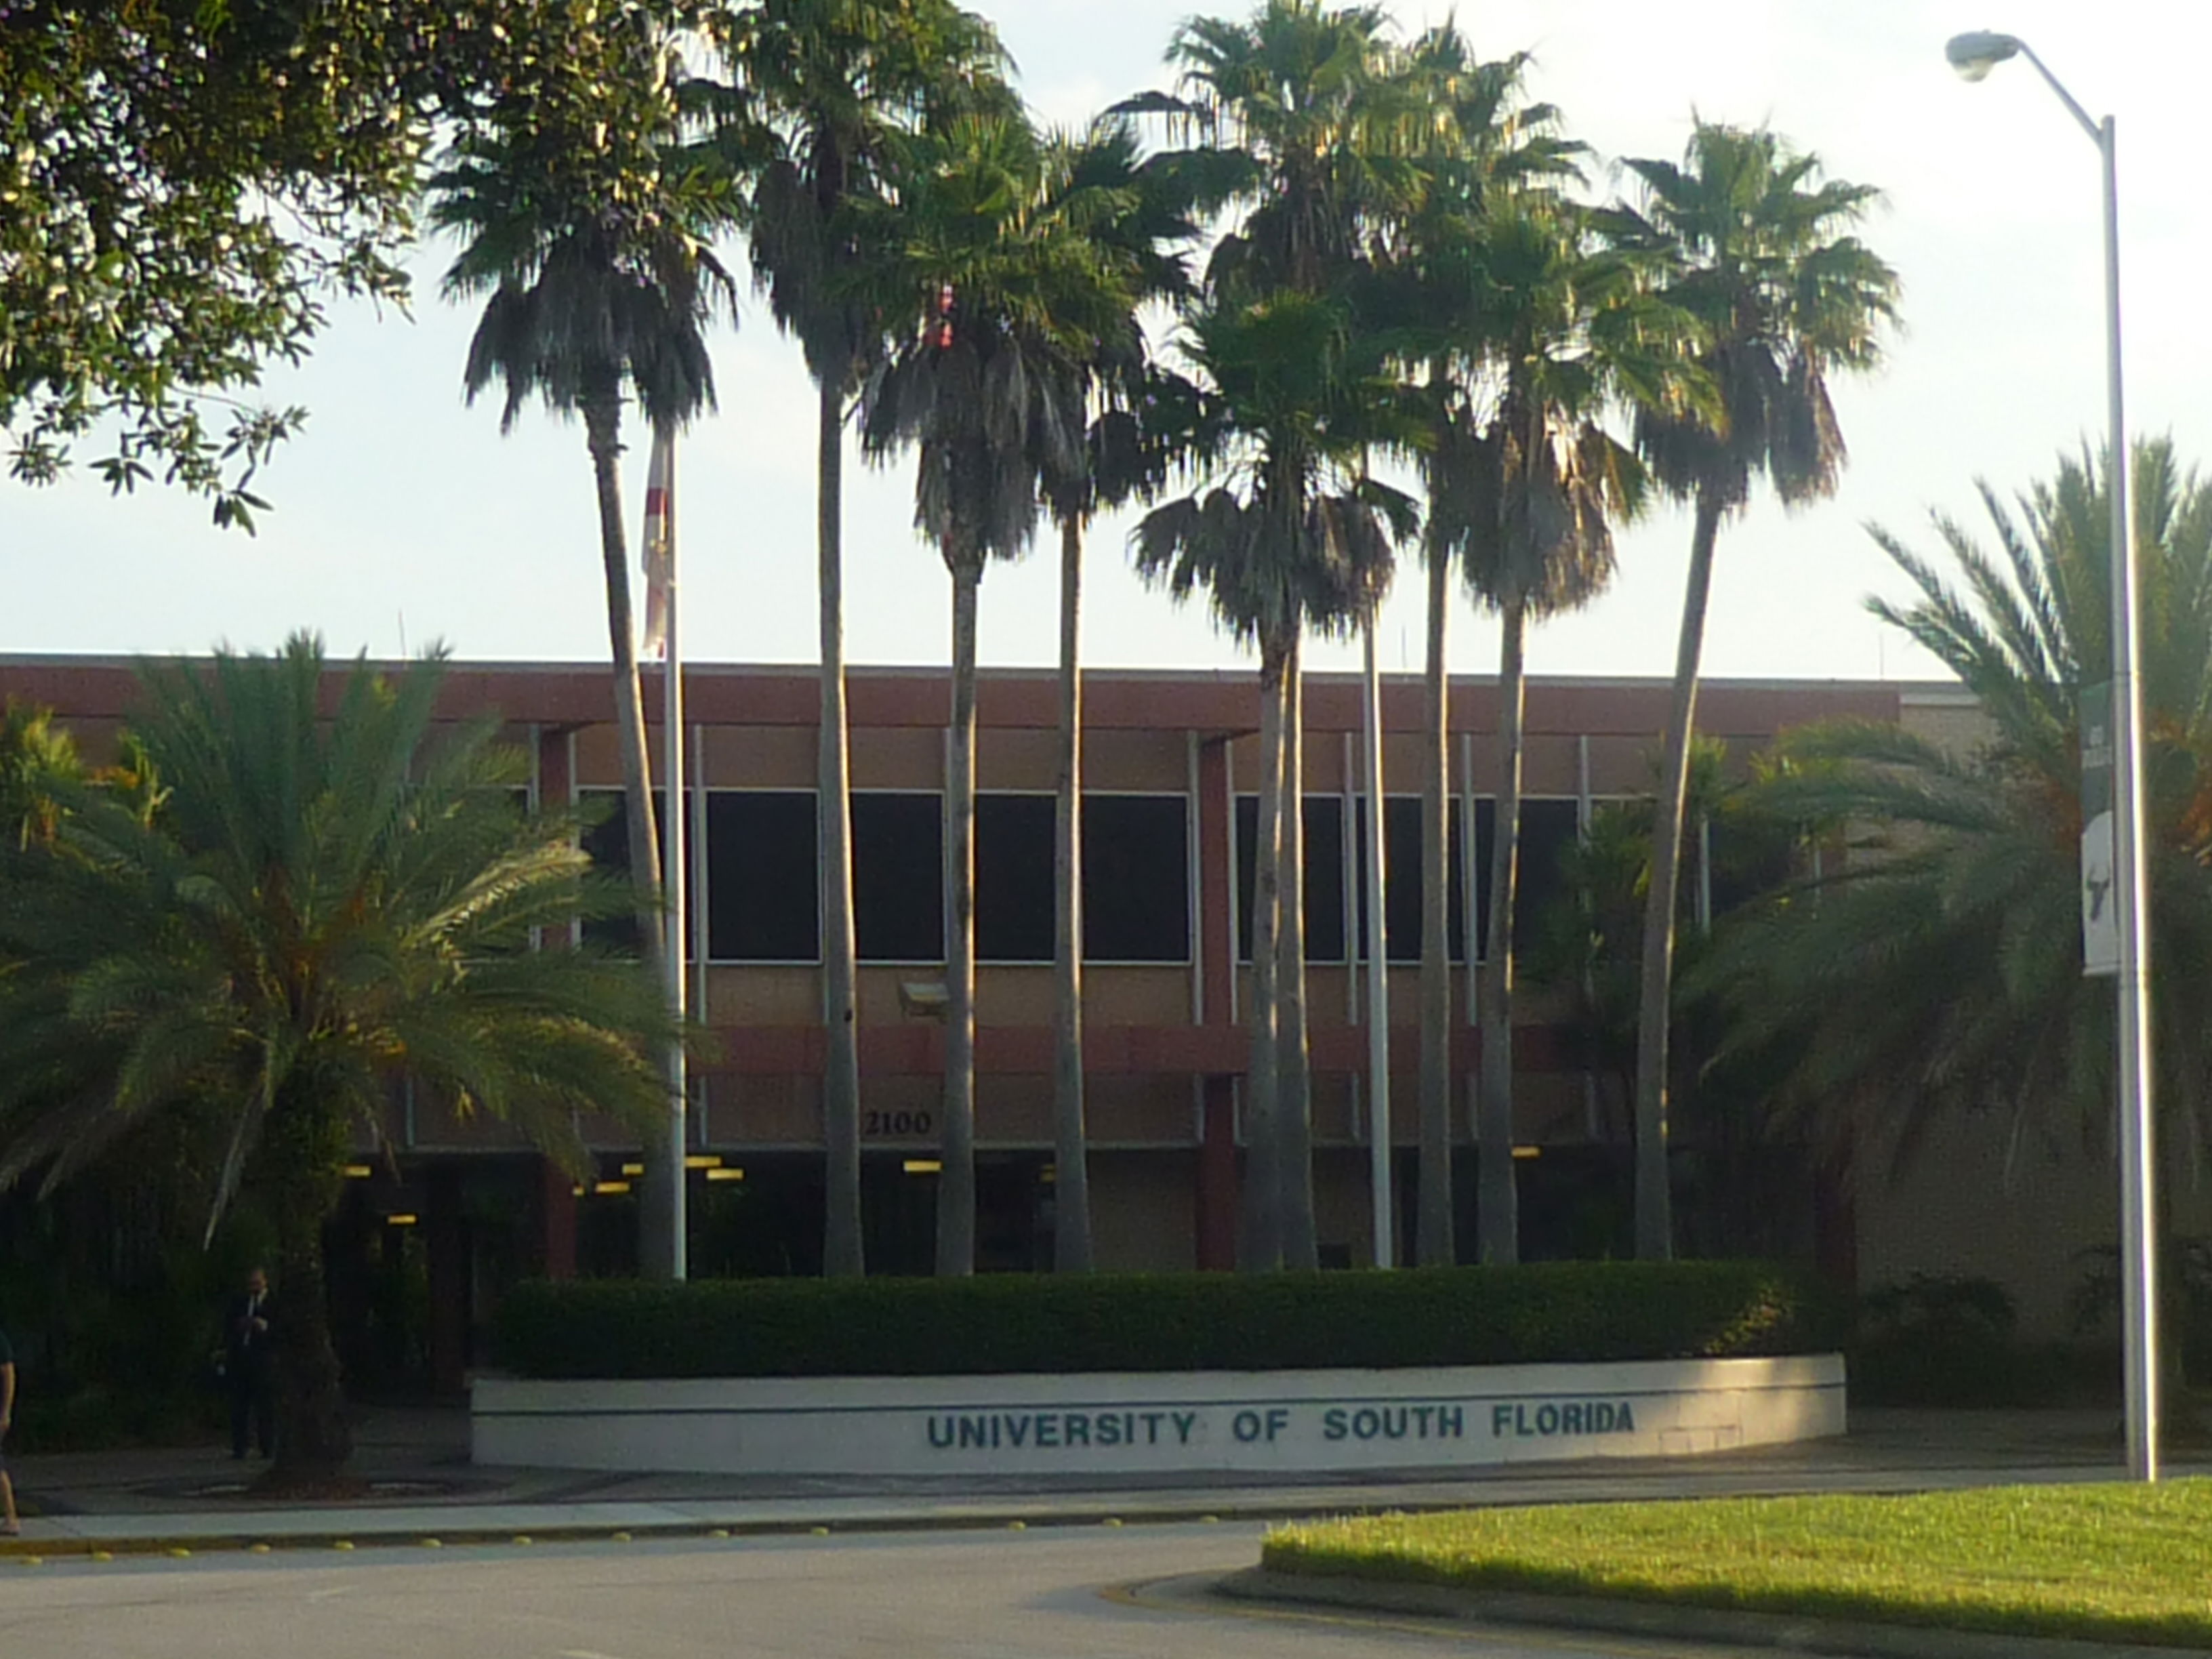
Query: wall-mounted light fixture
(921, 999)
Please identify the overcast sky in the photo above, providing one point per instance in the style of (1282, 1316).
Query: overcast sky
(401, 515)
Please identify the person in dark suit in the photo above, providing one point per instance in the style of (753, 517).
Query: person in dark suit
(10, 1525)
(248, 1366)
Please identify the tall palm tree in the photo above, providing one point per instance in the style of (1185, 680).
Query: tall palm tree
(1007, 294)
(1296, 535)
(1482, 145)
(1303, 123)
(328, 899)
(820, 91)
(1578, 335)
(1139, 213)
(1761, 257)
(597, 262)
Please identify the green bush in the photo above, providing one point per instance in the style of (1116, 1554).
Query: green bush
(1950, 1340)
(999, 1324)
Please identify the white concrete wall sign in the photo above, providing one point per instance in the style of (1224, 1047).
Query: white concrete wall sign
(1272, 1422)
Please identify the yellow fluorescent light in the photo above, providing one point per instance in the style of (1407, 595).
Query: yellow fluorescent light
(633, 1169)
(703, 1161)
(726, 1174)
(405, 1219)
(921, 1166)
(1528, 1152)
(359, 1171)
(577, 1191)
(1048, 1175)
(604, 1187)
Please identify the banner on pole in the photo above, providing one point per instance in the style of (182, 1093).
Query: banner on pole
(2100, 896)
(655, 548)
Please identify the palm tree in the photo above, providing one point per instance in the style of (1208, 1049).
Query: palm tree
(598, 266)
(1760, 257)
(1139, 213)
(1008, 294)
(1939, 969)
(38, 758)
(1298, 535)
(1484, 149)
(1304, 124)
(821, 89)
(1577, 333)
(328, 899)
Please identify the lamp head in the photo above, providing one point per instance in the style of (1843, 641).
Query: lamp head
(1975, 53)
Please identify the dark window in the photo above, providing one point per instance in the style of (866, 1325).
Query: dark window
(1547, 830)
(1404, 889)
(1136, 878)
(1324, 875)
(1014, 916)
(898, 877)
(763, 890)
(608, 842)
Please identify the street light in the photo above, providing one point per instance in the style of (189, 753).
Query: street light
(1974, 56)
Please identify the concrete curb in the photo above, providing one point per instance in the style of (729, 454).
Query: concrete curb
(1790, 1633)
(368, 1536)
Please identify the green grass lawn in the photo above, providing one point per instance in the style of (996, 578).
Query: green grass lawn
(2116, 1563)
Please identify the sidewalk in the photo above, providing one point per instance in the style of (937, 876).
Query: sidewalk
(423, 1487)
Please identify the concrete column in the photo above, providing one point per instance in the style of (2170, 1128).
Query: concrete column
(557, 1212)
(1217, 1177)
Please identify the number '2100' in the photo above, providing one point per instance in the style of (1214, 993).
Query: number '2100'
(898, 1123)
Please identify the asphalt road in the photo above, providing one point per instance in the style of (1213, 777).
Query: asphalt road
(1047, 1593)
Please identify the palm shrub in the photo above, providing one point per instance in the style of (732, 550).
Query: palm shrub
(1938, 972)
(330, 895)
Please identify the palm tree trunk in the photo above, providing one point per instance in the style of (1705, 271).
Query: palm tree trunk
(1262, 1241)
(302, 1157)
(1655, 1220)
(1434, 1246)
(843, 1254)
(1301, 1246)
(956, 1184)
(1071, 1243)
(657, 1252)
(1499, 1224)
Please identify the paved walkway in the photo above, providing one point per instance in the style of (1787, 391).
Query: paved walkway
(422, 1486)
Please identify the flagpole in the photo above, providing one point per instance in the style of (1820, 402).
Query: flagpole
(679, 932)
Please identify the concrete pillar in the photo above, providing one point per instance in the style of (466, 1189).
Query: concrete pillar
(556, 1211)
(1217, 1177)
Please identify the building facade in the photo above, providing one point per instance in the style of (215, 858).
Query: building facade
(1169, 770)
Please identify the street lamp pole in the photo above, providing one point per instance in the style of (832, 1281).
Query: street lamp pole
(1973, 56)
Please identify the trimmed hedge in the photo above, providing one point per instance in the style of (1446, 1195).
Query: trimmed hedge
(1005, 1323)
